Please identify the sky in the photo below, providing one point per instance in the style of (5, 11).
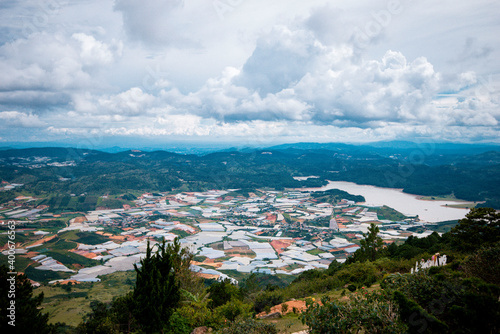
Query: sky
(102, 72)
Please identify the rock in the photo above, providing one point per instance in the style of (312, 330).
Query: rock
(272, 315)
(201, 330)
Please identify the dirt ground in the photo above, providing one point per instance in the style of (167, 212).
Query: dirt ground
(300, 305)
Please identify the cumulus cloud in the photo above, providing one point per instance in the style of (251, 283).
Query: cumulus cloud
(18, 119)
(314, 71)
(93, 51)
(45, 70)
(157, 22)
(132, 102)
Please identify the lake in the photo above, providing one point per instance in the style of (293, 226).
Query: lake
(407, 204)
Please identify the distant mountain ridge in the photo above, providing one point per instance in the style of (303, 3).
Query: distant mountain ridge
(470, 174)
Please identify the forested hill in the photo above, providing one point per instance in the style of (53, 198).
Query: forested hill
(467, 172)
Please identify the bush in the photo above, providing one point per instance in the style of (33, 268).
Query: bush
(284, 308)
(368, 313)
(484, 264)
(360, 273)
(268, 299)
(306, 288)
(222, 292)
(351, 287)
(249, 326)
(233, 310)
(178, 325)
(445, 300)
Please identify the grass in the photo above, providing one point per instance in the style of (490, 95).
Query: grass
(55, 244)
(69, 235)
(235, 274)
(44, 276)
(70, 307)
(463, 206)
(70, 259)
(90, 238)
(20, 237)
(387, 213)
(21, 262)
(290, 323)
(315, 251)
(449, 197)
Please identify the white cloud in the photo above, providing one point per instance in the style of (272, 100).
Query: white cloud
(132, 102)
(314, 70)
(93, 52)
(18, 119)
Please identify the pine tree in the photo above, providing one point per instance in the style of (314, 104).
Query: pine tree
(156, 291)
(28, 316)
(371, 246)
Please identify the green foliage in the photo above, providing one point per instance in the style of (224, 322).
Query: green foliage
(481, 227)
(268, 299)
(387, 213)
(234, 309)
(311, 275)
(99, 321)
(197, 315)
(442, 298)
(69, 258)
(371, 246)
(119, 173)
(222, 292)
(418, 318)
(368, 312)
(44, 276)
(28, 318)
(56, 244)
(90, 238)
(359, 273)
(414, 246)
(284, 308)
(249, 326)
(333, 267)
(306, 288)
(185, 277)
(156, 292)
(178, 325)
(336, 195)
(7, 196)
(484, 264)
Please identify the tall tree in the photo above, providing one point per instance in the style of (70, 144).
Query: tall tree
(371, 246)
(188, 280)
(25, 312)
(480, 227)
(156, 293)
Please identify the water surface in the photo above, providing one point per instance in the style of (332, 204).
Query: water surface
(407, 204)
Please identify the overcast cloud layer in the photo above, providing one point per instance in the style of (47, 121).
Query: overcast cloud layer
(249, 71)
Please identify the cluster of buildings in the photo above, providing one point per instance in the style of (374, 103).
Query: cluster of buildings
(272, 232)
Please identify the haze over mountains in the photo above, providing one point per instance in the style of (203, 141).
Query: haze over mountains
(469, 172)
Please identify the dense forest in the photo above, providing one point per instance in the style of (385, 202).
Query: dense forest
(465, 174)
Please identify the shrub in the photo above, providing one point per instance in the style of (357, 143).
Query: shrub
(360, 273)
(284, 308)
(368, 313)
(445, 300)
(484, 264)
(268, 298)
(249, 326)
(233, 310)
